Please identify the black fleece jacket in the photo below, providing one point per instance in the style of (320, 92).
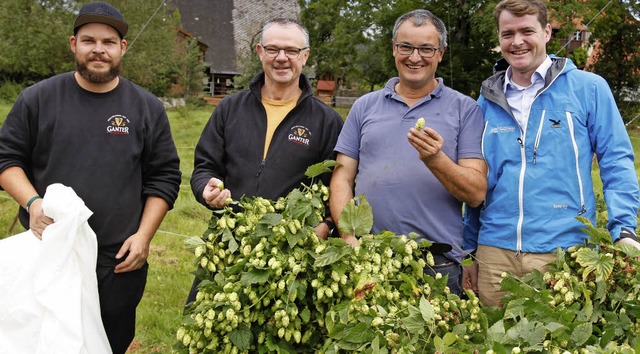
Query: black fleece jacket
(232, 143)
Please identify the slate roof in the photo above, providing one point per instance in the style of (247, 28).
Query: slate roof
(211, 21)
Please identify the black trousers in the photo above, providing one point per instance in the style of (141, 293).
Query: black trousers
(445, 266)
(120, 294)
(193, 291)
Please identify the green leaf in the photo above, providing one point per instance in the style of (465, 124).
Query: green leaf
(227, 236)
(439, 345)
(467, 262)
(259, 276)
(592, 261)
(305, 315)
(293, 239)
(329, 324)
(414, 323)
(596, 236)
(193, 242)
(298, 206)
(356, 219)
(587, 307)
(497, 332)
(241, 337)
(331, 255)
(449, 339)
(238, 267)
(263, 228)
(426, 310)
(271, 219)
(360, 333)
(320, 168)
(581, 334)
(342, 309)
(375, 345)
(629, 250)
(515, 309)
(554, 326)
(531, 332)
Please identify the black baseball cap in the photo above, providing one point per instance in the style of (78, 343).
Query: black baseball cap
(101, 12)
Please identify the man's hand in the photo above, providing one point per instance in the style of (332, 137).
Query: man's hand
(322, 230)
(351, 240)
(37, 220)
(470, 277)
(427, 142)
(629, 241)
(214, 196)
(137, 247)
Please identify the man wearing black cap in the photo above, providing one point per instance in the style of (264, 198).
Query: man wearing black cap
(109, 140)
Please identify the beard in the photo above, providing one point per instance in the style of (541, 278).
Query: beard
(98, 77)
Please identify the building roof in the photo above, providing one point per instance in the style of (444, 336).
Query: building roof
(211, 22)
(230, 27)
(326, 85)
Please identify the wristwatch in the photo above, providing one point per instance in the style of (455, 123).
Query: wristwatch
(626, 233)
(330, 224)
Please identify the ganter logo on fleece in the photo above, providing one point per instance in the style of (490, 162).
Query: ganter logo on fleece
(118, 125)
(299, 135)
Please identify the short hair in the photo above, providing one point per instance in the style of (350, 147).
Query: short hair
(420, 17)
(282, 21)
(521, 8)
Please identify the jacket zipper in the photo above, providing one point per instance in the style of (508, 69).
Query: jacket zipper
(523, 158)
(583, 209)
(259, 173)
(538, 135)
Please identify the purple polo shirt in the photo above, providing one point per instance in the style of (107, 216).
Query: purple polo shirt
(404, 195)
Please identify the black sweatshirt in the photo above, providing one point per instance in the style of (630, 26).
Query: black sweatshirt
(114, 149)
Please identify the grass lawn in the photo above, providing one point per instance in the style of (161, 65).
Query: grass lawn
(170, 263)
(159, 313)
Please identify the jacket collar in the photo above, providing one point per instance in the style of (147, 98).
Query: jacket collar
(493, 87)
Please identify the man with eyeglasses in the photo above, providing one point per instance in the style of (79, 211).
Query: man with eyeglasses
(415, 180)
(260, 141)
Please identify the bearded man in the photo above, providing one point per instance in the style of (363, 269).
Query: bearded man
(110, 141)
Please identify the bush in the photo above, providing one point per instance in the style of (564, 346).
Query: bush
(9, 91)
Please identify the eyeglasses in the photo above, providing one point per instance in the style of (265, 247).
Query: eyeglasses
(291, 53)
(423, 51)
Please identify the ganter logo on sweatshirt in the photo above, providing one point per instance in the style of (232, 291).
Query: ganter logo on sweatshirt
(299, 135)
(118, 125)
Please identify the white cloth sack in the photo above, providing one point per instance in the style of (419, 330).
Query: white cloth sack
(48, 289)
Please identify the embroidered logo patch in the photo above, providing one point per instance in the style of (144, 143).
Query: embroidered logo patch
(118, 125)
(505, 129)
(299, 135)
(555, 123)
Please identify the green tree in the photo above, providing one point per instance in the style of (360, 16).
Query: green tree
(334, 31)
(33, 47)
(617, 33)
(353, 39)
(193, 70)
(251, 64)
(569, 14)
(36, 42)
(154, 56)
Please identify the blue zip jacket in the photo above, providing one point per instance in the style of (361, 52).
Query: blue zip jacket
(539, 179)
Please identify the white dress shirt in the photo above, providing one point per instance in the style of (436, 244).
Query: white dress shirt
(520, 98)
